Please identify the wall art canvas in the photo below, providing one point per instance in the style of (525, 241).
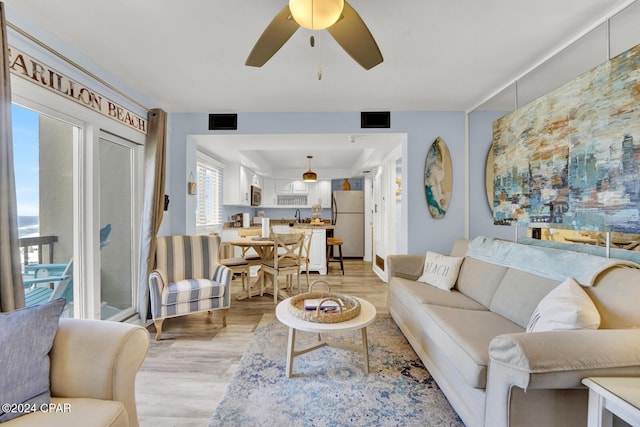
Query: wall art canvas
(488, 177)
(438, 178)
(571, 159)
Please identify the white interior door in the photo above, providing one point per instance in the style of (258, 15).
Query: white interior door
(378, 222)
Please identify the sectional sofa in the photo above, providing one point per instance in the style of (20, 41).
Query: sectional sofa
(473, 339)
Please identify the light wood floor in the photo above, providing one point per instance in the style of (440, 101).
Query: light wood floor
(186, 372)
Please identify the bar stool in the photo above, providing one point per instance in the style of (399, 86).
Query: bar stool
(331, 242)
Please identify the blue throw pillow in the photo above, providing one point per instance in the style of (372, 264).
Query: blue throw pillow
(26, 337)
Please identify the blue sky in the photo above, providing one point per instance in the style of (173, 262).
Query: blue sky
(25, 159)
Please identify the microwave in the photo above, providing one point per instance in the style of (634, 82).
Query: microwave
(256, 196)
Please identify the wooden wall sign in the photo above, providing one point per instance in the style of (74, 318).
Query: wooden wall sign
(22, 65)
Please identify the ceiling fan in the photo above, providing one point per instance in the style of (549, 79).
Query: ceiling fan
(337, 16)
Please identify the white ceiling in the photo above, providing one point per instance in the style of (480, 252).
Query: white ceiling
(188, 56)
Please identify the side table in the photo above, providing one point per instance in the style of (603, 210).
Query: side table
(613, 395)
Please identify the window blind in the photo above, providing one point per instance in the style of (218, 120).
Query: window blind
(210, 210)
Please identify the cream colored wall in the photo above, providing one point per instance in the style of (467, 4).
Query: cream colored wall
(56, 185)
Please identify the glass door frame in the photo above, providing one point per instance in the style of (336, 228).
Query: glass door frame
(137, 169)
(89, 126)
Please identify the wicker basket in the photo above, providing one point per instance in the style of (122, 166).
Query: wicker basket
(349, 307)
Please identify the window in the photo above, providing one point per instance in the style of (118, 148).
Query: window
(44, 174)
(210, 210)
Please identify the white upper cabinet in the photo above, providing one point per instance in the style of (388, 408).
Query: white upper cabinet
(237, 184)
(269, 192)
(323, 193)
(283, 193)
(291, 186)
(299, 187)
(320, 193)
(283, 186)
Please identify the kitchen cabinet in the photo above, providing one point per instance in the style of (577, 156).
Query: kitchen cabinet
(320, 193)
(283, 186)
(291, 186)
(237, 184)
(299, 187)
(288, 193)
(269, 198)
(317, 250)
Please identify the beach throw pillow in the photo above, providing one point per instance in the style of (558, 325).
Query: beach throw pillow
(440, 270)
(566, 307)
(26, 337)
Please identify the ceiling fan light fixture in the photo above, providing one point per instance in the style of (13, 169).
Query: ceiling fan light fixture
(316, 14)
(309, 176)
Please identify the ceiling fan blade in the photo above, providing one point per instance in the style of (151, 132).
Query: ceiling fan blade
(355, 38)
(279, 30)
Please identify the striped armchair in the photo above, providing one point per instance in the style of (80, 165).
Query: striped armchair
(188, 279)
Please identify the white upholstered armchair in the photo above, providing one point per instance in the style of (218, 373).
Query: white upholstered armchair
(188, 279)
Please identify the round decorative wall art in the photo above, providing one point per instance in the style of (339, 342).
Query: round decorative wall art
(488, 177)
(438, 178)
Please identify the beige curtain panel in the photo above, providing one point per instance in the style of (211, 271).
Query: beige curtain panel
(11, 288)
(153, 203)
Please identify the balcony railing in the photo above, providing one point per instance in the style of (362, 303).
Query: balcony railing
(31, 242)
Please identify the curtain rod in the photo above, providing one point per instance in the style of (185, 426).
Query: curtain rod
(74, 64)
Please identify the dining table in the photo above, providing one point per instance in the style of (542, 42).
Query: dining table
(264, 247)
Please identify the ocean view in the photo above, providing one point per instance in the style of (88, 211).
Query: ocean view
(28, 226)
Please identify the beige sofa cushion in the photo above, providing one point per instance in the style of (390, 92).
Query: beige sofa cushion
(519, 294)
(464, 336)
(479, 279)
(616, 295)
(411, 292)
(81, 412)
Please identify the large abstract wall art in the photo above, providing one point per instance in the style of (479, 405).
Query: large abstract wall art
(571, 159)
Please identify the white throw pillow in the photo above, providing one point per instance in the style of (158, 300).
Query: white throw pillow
(440, 270)
(566, 307)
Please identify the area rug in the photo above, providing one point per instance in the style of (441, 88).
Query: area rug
(329, 387)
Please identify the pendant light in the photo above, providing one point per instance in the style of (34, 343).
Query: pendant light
(316, 14)
(309, 176)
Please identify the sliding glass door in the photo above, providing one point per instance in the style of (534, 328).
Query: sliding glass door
(78, 191)
(44, 172)
(116, 221)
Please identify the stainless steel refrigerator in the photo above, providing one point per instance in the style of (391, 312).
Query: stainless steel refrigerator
(347, 214)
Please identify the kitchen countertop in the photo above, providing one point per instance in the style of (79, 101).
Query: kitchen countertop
(280, 222)
(314, 226)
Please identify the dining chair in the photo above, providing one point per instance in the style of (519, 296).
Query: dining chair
(287, 255)
(306, 249)
(247, 253)
(236, 264)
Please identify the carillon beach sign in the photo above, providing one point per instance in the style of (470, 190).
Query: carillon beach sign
(28, 68)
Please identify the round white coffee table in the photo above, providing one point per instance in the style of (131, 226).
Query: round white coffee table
(366, 317)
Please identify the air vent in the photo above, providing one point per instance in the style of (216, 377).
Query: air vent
(375, 119)
(223, 122)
